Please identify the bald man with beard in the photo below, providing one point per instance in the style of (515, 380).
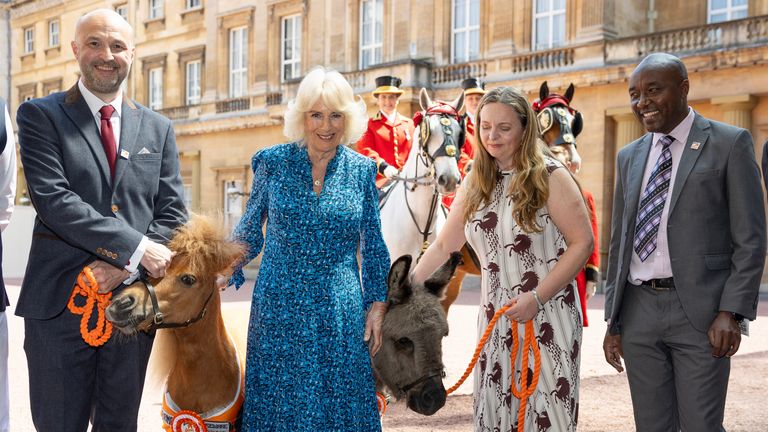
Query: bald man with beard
(103, 175)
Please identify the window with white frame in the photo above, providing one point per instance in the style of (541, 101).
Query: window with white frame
(290, 47)
(548, 24)
(122, 10)
(193, 82)
(193, 4)
(156, 9)
(465, 29)
(371, 28)
(238, 61)
(29, 40)
(156, 88)
(53, 33)
(726, 10)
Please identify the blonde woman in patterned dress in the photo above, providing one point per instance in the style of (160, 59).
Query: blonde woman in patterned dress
(524, 215)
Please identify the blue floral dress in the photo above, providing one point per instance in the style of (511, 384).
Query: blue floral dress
(307, 367)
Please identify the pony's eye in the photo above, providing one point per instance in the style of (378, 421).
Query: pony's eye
(188, 279)
(404, 344)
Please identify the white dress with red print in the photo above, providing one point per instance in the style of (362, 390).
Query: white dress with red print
(514, 262)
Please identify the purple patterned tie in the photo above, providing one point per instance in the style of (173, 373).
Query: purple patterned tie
(652, 202)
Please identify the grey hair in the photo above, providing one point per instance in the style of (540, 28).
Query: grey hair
(336, 94)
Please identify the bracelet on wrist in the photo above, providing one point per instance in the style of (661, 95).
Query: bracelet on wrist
(536, 297)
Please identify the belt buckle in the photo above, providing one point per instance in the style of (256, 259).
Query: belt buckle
(657, 287)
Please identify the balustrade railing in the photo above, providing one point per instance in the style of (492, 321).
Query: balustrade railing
(710, 37)
(231, 105)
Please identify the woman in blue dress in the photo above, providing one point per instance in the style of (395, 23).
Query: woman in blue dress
(308, 366)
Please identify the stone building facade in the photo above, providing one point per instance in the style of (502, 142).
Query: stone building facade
(225, 70)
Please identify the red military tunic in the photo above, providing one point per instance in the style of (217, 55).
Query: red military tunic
(384, 141)
(591, 270)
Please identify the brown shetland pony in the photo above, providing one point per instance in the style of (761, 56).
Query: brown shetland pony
(204, 369)
(559, 124)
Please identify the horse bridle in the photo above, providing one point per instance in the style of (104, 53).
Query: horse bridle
(158, 319)
(554, 109)
(448, 148)
(429, 375)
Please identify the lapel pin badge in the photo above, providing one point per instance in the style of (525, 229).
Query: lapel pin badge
(124, 154)
(695, 145)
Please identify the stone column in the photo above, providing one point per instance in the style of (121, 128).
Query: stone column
(193, 159)
(737, 110)
(628, 128)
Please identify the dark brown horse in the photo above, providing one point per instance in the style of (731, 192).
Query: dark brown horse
(559, 122)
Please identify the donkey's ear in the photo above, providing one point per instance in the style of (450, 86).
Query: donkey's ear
(543, 91)
(398, 288)
(569, 93)
(458, 103)
(437, 283)
(424, 99)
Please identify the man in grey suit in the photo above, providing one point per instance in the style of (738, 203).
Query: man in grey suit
(103, 175)
(686, 255)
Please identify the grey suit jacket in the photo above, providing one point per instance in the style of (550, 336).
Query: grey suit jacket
(82, 214)
(716, 226)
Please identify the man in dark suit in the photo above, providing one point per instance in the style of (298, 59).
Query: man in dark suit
(7, 196)
(686, 255)
(103, 175)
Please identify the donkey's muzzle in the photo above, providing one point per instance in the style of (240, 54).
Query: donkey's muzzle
(429, 399)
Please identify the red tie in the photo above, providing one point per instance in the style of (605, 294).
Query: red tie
(108, 137)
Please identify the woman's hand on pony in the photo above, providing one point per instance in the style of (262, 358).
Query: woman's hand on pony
(373, 322)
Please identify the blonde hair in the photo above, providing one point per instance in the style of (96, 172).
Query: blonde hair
(529, 189)
(336, 94)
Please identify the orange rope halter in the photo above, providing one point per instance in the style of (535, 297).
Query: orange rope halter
(529, 344)
(103, 330)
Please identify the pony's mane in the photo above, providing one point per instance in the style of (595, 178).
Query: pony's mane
(201, 247)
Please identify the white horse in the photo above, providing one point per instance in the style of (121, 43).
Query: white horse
(410, 211)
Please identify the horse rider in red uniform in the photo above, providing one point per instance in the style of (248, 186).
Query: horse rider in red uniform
(389, 135)
(474, 89)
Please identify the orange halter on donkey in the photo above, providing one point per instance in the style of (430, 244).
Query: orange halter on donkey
(529, 344)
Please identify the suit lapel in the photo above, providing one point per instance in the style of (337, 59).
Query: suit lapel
(77, 110)
(699, 134)
(635, 178)
(129, 131)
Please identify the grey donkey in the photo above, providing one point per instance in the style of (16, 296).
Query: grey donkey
(410, 362)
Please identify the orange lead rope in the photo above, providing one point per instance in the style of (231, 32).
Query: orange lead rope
(99, 335)
(529, 344)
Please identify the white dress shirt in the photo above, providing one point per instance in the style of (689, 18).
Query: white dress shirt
(95, 104)
(657, 265)
(7, 174)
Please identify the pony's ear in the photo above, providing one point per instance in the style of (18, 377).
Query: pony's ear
(569, 93)
(543, 91)
(424, 99)
(228, 254)
(398, 288)
(458, 103)
(578, 124)
(437, 283)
